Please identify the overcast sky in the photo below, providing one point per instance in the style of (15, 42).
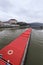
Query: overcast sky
(22, 10)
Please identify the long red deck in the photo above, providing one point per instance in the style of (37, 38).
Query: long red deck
(15, 50)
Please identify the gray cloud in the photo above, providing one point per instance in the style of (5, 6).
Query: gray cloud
(22, 10)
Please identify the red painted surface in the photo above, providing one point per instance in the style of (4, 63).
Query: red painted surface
(15, 50)
(1, 62)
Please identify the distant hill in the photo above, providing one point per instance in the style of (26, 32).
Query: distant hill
(36, 24)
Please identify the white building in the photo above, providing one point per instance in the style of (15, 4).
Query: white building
(12, 21)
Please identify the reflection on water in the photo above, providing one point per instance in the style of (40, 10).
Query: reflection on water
(1, 29)
(7, 35)
(35, 51)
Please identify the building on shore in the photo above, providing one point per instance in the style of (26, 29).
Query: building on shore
(1, 23)
(12, 21)
(9, 24)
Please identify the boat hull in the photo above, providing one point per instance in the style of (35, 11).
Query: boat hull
(16, 50)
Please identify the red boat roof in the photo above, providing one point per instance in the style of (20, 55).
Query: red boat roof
(15, 50)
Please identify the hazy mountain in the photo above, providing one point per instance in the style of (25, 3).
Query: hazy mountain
(36, 24)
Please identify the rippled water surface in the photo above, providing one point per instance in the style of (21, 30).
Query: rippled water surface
(35, 51)
(7, 35)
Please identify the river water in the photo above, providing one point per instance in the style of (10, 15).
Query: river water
(7, 35)
(35, 51)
